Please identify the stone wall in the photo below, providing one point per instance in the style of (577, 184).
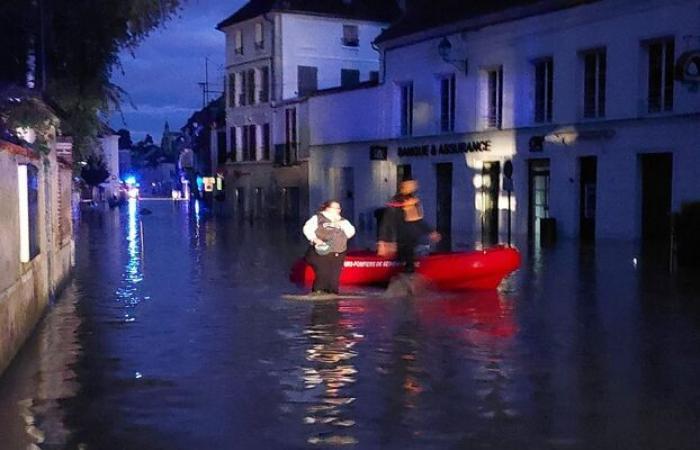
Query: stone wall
(27, 287)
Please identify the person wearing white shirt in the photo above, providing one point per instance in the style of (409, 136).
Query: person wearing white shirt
(328, 233)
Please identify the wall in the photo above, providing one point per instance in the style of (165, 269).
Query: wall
(317, 41)
(26, 288)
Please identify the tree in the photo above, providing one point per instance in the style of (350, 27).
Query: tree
(95, 171)
(77, 44)
(125, 142)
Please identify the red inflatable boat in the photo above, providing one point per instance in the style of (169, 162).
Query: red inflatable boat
(454, 271)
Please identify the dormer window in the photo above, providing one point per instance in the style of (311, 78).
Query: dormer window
(238, 42)
(259, 37)
(350, 36)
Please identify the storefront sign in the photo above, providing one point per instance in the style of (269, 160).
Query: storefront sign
(446, 149)
(377, 153)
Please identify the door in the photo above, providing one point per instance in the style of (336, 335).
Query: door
(587, 197)
(538, 187)
(347, 193)
(657, 172)
(489, 194)
(403, 172)
(443, 173)
(290, 203)
(240, 203)
(259, 202)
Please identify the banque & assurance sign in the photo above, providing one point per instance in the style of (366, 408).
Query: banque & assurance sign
(446, 149)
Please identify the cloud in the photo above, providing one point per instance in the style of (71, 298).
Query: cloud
(162, 76)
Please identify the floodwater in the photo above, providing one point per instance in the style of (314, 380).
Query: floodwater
(173, 335)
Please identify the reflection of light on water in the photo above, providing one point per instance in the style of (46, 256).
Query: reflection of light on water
(55, 354)
(332, 373)
(133, 273)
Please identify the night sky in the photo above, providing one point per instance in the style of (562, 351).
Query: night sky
(161, 77)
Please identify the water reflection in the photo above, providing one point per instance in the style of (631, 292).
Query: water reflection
(33, 415)
(330, 374)
(128, 292)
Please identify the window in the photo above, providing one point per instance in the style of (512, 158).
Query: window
(594, 67)
(264, 84)
(406, 109)
(234, 144)
(221, 154)
(544, 70)
(259, 37)
(494, 116)
(243, 96)
(249, 143)
(374, 76)
(290, 139)
(349, 77)
(28, 190)
(350, 36)
(250, 74)
(447, 103)
(238, 42)
(307, 80)
(266, 142)
(231, 90)
(660, 76)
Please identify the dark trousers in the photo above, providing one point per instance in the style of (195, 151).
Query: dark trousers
(409, 235)
(327, 269)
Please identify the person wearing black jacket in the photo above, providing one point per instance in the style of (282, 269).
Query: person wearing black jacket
(402, 226)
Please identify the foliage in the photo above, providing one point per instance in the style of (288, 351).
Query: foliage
(124, 139)
(28, 112)
(95, 171)
(83, 42)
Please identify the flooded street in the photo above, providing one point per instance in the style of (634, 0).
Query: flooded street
(173, 335)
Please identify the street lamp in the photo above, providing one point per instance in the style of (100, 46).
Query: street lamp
(445, 51)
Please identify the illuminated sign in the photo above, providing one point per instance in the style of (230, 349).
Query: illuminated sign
(209, 183)
(446, 149)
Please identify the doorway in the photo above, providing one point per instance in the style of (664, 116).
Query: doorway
(490, 175)
(240, 203)
(587, 197)
(538, 188)
(443, 174)
(290, 204)
(343, 190)
(259, 202)
(656, 176)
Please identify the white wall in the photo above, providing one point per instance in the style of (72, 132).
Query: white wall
(356, 115)
(110, 150)
(317, 41)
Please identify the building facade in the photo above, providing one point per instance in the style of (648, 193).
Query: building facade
(277, 55)
(585, 112)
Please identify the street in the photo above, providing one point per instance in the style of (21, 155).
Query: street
(173, 335)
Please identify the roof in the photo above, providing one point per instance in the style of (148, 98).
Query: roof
(426, 14)
(373, 10)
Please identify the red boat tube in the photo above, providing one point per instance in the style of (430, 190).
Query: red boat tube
(453, 271)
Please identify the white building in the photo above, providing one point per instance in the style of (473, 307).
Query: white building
(277, 54)
(583, 97)
(109, 146)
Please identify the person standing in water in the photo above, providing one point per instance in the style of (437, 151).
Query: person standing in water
(328, 233)
(402, 226)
